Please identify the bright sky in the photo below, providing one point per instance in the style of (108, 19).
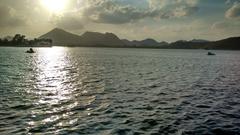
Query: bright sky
(163, 20)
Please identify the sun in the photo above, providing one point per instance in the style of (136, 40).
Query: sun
(54, 6)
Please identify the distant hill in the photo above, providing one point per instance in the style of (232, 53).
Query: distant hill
(199, 41)
(61, 37)
(182, 44)
(99, 39)
(144, 43)
(232, 43)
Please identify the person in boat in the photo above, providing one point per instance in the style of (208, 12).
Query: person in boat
(210, 53)
(30, 51)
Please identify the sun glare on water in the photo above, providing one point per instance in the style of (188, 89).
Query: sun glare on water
(54, 6)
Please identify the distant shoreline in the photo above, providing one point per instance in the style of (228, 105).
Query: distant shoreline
(120, 47)
(62, 38)
(17, 46)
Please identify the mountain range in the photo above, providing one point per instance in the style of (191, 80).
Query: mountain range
(61, 37)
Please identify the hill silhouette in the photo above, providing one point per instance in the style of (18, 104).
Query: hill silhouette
(99, 39)
(61, 37)
(232, 43)
(151, 43)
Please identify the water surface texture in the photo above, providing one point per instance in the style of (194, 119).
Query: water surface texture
(119, 91)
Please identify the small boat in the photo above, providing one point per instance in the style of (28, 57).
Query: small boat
(30, 51)
(210, 53)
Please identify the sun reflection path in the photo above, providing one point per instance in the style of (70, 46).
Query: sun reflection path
(66, 91)
(52, 63)
(51, 91)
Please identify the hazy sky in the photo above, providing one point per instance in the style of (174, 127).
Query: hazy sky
(167, 20)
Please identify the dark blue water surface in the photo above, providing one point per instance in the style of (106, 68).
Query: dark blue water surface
(119, 91)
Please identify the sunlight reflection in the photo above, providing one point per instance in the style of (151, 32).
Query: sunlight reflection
(51, 65)
(65, 91)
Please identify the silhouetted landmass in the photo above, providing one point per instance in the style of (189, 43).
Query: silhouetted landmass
(181, 44)
(20, 41)
(60, 37)
(199, 41)
(88, 39)
(151, 43)
(99, 39)
(232, 43)
(95, 39)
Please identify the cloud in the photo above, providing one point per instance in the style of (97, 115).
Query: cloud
(69, 21)
(223, 29)
(185, 11)
(96, 11)
(233, 12)
(228, 2)
(171, 3)
(9, 17)
(220, 25)
(226, 26)
(110, 11)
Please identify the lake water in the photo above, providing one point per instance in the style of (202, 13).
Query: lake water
(119, 91)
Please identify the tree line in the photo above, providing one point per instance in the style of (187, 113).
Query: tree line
(20, 40)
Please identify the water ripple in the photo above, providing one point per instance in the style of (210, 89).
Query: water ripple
(123, 91)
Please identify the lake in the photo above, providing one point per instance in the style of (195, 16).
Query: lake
(119, 91)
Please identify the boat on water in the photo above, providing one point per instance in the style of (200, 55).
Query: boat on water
(210, 53)
(30, 51)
